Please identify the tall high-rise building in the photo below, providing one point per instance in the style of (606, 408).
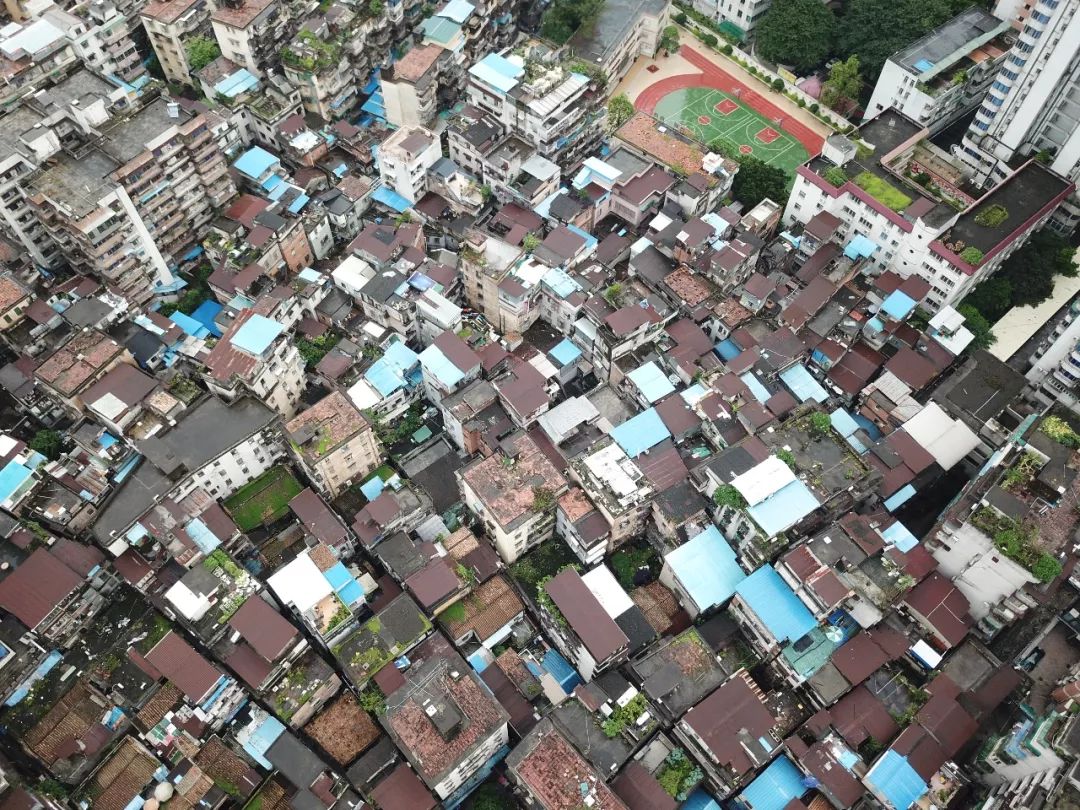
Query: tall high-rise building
(1033, 105)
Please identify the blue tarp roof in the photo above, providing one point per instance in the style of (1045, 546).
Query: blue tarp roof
(756, 386)
(844, 424)
(898, 305)
(237, 82)
(802, 384)
(727, 349)
(254, 162)
(776, 605)
(775, 786)
(707, 568)
(565, 352)
(373, 488)
(440, 366)
(899, 536)
(860, 247)
(893, 778)
(190, 326)
(205, 539)
(560, 282)
(12, 477)
(272, 182)
(899, 498)
(391, 199)
(497, 71)
(700, 800)
(639, 433)
(389, 372)
(652, 382)
(785, 507)
(256, 334)
(206, 313)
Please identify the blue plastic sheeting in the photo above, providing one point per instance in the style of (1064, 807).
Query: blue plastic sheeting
(849, 759)
(844, 424)
(924, 65)
(478, 661)
(338, 576)
(12, 478)
(775, 787)
(440, 366)
(565, 352)
(255, 162)
(194, 253)
(262, 738)
(272, 182)
(802, 384)
(372, 489)
(898, 499)
(390, 372)
(899, 536)
(561, 671)
(391, 199)
(200, 533)
(860, 247)
(559, 282)
(639, 433)
(42, 669)
(298, 204)
(757, 388)
(727, 349)
(870, 428)
(206, 314)
(784, 508)
(107, 440)
(875, 325)
(776, 605)
(700, 800)
(256, 334)
(898, 305)
(895, 781)
(190, 326)
(351, 593)
(652, 382)
(498, 72)
(707, 568)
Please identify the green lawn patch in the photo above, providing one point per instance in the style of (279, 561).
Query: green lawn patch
(882, 191)
(264, 500)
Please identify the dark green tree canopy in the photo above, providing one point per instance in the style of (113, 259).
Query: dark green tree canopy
(796, 32)
(564, 17)
(876, 29)
(757, 180)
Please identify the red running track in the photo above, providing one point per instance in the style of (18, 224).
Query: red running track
(715, 78)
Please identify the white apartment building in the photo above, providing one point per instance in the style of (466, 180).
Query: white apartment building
(334, 443)
(943, 76)
(168, 24)
(249, 31)
(1033, 105)
(410, 85)
(33, 53)
(101, 37)
(404, 159)
(898, 225)
(1055, 363)
(622, 32)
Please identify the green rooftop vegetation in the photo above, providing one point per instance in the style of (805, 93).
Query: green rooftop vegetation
(311, 53)
(881, 191)
(992, 216)
(1018, 542)
(264, 500)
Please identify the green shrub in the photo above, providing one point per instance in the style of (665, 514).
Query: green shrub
(992, 216)
(972, 255)
(835, 176)
(709, 39)
(727, 495)
(777, 84)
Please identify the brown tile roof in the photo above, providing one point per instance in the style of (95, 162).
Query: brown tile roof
(178, 661)
(658, 604)
(242, 15)
(252, 668)
(343, 729)
(267, 631)
(519, 674)
(166, 11)
(122, 777)
(70, 718)
(508, 491)
(333, 418)
(585, 615)
(641, 131)
(485, 610)
(402, 790)
(161, 703)
(223, 765)
(71, 367)
(689, 288)
(720, 720)
(11, 292)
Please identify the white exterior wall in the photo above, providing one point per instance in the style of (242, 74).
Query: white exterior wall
(467, 767)
(234, 468)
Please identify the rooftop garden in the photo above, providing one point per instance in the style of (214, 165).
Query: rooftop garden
(184, 389)
(885, 193)
(311, 53)
(1018, 542)
(624, 717)
(542, 562)
(678, 775)
(992, 216)
(263, 500)
(373, 646)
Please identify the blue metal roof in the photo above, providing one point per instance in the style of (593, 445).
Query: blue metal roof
(190, 326)
(639, 433)
(12, 478)
(390, 372)
(895, 781)
(260, 740)
(206, 313)
(784, 508)
(860, 247)
(440, 366)
(775, 786)
(457, 10)
(255, 162)
(205, 539)
(373, 488)
(700, 800)
(727, 349)
(560, 282)
(338, 576)
(498, 72)
(256, 334)
(652, 382)
(391, 199)
(707, 568)
(844, 424)
(272, 182)
(899, 536)
(776, 605)
(565, 352)
(802, 384)
(756, 386)
(898, 305)
(899, 498)
(237, 82)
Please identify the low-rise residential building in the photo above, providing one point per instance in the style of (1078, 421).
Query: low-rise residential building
(410, 86)
(168, 24)
(404, 160)
(580, 627)
(334, 443)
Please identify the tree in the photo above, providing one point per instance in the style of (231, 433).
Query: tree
(710, 40)
(1030, 271)
(876, 29)
(992, 298)
(797, 33)
(820, 424)
(531, 242)
(978, 326)
(669, 40)
(757, 180)
(619, 110)
(842, 89)
(47, 442)
(201, 51)
(564, 17)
